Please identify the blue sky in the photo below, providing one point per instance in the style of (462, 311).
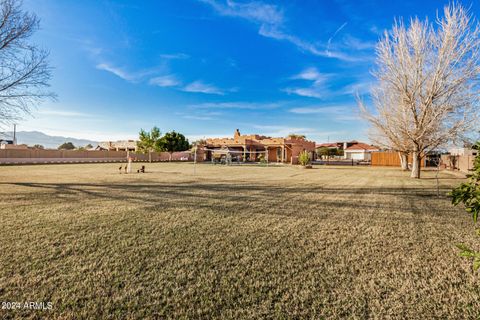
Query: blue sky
(207, 67)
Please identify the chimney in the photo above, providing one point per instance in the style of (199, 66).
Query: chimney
(236, 134)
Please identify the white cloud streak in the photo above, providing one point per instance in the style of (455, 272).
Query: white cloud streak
(62, 113)
(283, 131)
(337, 113)
(174, 56)
(324, 110)
(119, 72)
(317, 88)
(237, 105)
(270, 19)
(329, 42)
(165, 81)
(200, 87)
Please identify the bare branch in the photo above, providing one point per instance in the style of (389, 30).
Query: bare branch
(24, 68)
(427, 91)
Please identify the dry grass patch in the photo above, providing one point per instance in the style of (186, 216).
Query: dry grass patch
(233, 242)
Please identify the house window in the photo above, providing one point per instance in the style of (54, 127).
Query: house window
(279, 154)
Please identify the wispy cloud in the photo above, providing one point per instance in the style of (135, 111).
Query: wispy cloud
(93, 49)
(119, 72)
(271, 21)
(197, 86)
(202, 118)
(320, 109)
(376, 30)
(237, 105)
(319, 85)
(275, 130)
(202, 115)
(62, 113)
(311, 74)
(329, 42)
(336, 112)
(355, 47)
(357, 44)
(254, 11)
(130, 76)
(173, 56)
(285, 130)
(201, 87)
(311, 92)
(165, 81)
(316, 89)
(363, 87)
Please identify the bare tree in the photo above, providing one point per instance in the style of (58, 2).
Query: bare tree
(427, 91)
(24, 69)
(385, 131)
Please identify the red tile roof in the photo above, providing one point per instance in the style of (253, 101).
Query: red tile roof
(328, 145)
(362, 146)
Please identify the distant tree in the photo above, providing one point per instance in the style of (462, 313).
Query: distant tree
(173, 141)
(24, 69)
(297, 136)
(199, 142)
(328, 152)
(148, 141)
(323, 152)
(66, 146)
(88, 146)
(38, 146)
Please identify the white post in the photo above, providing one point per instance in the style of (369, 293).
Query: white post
(129, 165)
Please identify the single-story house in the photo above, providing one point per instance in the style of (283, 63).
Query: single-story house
(121, 145)
(360, 151)
(456, 151)
(252, 147)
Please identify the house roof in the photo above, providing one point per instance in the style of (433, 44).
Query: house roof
(362, 146)
(117, 144)
(327, 145)
(257, 140)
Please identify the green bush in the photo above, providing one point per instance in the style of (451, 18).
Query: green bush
(304, 158)
(262, 158)
(468, 193)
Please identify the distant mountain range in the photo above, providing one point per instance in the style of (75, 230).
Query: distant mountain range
(35, 137)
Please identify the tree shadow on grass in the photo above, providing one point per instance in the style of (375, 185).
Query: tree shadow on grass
(255, 198)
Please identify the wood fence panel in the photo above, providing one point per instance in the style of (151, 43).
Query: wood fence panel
(385, 159)
(390, 159)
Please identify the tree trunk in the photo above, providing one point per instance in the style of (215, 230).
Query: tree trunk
(150, 156)
(170, 156)
(417, 158)
(403, 160)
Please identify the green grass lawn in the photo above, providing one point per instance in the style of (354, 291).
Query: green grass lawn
(233, 242)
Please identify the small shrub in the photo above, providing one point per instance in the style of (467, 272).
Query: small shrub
(304, 158)
(262, 158)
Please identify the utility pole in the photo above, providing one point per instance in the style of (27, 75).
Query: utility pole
(14, 134)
